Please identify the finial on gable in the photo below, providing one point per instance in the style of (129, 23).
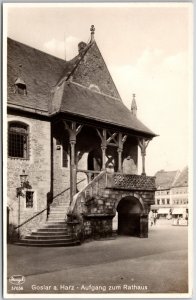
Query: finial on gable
(134, 106)
(92, 30)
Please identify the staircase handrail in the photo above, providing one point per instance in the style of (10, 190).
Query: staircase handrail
(44, 209)
(82, 192)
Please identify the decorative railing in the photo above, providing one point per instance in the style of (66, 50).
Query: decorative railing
(130, 182)
(88, 192)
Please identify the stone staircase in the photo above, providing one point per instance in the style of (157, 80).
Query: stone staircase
(53, 233)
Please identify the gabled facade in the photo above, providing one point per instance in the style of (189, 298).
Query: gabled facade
(171, 196)
(70, 132)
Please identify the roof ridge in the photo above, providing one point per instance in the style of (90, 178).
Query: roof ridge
(60, 59)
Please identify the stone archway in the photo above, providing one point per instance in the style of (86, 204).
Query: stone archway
(129, 211)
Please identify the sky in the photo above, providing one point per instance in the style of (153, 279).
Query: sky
(148, 51)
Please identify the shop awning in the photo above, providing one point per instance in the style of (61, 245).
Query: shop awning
(163, 211)
(178, 211)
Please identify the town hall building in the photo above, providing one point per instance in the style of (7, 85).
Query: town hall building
(72, 150)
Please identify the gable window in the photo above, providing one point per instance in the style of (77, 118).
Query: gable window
(20, 87)
(29, 199)
(18, 140)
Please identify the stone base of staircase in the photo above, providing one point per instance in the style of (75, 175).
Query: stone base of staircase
(53, 233)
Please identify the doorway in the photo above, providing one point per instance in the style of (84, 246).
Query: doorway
(129, 211)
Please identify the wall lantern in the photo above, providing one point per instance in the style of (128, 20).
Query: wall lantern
(23, 178)
(24, 184)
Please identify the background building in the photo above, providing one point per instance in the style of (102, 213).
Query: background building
(171, 196)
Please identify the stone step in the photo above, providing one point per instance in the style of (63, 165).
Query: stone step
(56, 229)
(46, 244)
(60, 213)
(56, 217)
(50, 222)
(60, 206)
(49, 237)
(49, 241)
(57, 220)
(52, 234)
(61, 209)
(53, 225)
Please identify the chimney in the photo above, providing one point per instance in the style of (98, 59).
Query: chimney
(81, 47)
(134, 107)
(92, 30)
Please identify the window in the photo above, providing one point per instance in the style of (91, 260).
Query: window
(29, 199)
(158, 201)
(163, 201)
(18, 140)
(167, 201)
(20, 87)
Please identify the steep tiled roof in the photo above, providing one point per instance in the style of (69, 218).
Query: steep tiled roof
(40, 72)
(46, 78)
(182, 179)
(165, 179)
(76, 99)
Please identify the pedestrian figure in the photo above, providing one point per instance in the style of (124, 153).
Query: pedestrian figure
(155, 219)
(152, 220)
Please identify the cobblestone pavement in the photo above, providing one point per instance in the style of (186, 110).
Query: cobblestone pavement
(123, 265)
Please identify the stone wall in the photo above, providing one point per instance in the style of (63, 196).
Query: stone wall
(96, 206)
(38, 169)
(60, 173)
(98, 221)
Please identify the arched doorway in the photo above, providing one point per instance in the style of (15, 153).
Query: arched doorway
(129, 211)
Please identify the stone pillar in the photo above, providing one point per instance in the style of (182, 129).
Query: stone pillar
(144, 225)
